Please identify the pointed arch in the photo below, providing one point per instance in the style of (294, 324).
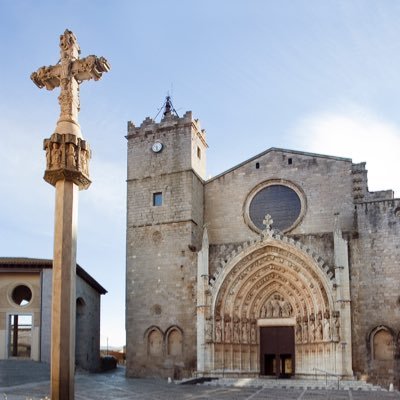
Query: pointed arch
(272, 266)
(381, 340)
(154, 338)
(174, 341)
(275, 282)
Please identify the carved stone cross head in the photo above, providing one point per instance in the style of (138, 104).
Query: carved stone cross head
(68, 74)
(67, 154)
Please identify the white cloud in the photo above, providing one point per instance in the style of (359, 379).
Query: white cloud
(358, 134)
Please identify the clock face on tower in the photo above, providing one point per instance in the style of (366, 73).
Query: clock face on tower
(157, 147)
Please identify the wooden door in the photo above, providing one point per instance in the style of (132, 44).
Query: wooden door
(277, 352)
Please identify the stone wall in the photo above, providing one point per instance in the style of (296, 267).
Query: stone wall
(162, 245)
(87, 350)
(87, 344)
(375, 266)
(45, 337)
(161, 296)
(325, 181)
(226, 195)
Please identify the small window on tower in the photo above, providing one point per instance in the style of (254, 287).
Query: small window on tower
(198, 152)
(157, 199)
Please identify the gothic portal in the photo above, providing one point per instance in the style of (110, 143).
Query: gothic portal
(275, 309)
(275, 267)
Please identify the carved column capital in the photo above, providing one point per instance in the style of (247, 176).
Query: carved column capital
(67, 158)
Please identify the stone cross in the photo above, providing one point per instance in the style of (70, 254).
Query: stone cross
(68, 74)
(267, 222)
(67, 157)
(67, 154)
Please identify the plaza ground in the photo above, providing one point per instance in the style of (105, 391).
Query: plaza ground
(27, 380)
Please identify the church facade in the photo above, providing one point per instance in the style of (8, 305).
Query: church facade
(285, 265)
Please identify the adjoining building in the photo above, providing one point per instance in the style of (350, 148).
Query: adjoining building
(25, 312)
(284, 265)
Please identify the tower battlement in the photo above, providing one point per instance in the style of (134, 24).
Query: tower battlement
(170, 145)
(167, 123)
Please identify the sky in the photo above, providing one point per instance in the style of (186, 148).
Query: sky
(309, 75)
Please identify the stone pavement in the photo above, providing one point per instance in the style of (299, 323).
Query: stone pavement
(114, 385)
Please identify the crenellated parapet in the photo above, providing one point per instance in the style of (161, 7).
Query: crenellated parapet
(360, 181)
(360, 186)
(170, 122)
(173, 144)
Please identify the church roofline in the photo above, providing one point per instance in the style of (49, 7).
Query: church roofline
(40, 263)
(271, 149)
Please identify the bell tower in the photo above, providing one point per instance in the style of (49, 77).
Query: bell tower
(166, 171)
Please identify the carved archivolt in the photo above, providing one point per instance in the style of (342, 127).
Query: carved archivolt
(273, 279)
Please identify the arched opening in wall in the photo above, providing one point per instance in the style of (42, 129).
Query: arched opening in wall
(81, 347)
(274, 313)
(155, 342)
(174, 342)
(382, 344)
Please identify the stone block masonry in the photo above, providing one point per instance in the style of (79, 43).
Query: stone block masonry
(333, 269)
(162, 241)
